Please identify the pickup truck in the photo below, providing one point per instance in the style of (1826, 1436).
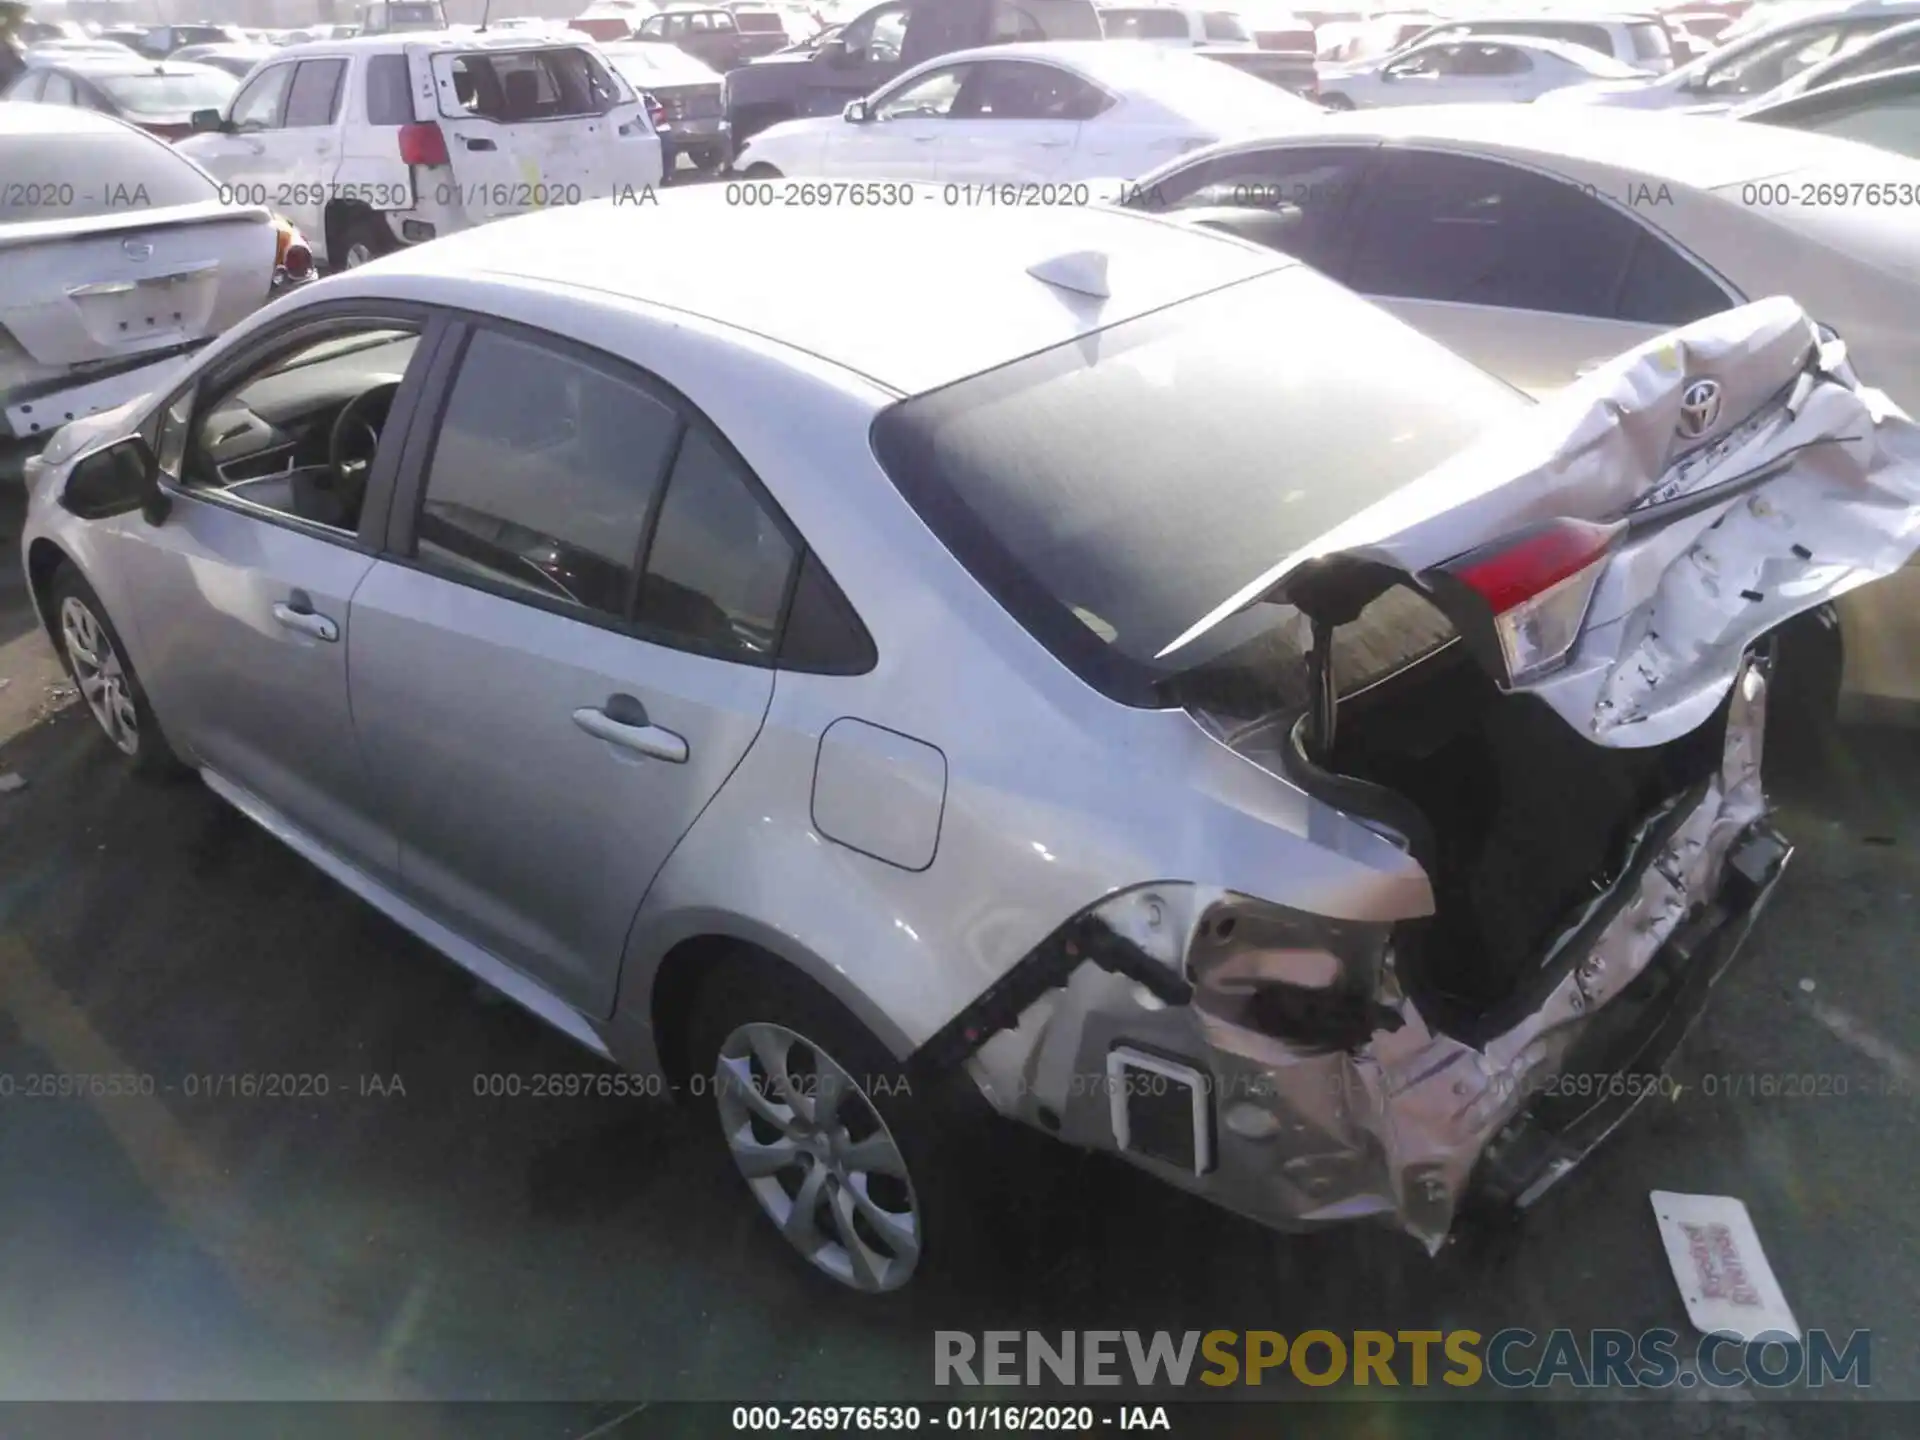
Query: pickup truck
(851, 62)
(721, 38)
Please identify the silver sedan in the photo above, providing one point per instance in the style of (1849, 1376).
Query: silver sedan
(995, 676)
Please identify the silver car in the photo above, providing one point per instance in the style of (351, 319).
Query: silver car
(1004, 674)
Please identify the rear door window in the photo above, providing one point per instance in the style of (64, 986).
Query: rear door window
(1025, 90)
(389, 91)
(1462, 230)
(58, 91)
(1146, 23)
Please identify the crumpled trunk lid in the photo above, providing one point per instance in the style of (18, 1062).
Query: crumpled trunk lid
(1753, 474)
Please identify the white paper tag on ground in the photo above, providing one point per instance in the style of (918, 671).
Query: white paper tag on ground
(1722, 1271)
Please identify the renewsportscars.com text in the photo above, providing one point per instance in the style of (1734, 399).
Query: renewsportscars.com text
(1511, 1359)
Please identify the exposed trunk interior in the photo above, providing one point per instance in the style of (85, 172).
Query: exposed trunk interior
(1519, 820)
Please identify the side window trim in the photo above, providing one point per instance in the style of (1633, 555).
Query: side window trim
(218, 379)
(409, 485)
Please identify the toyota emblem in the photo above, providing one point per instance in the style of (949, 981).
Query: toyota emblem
(1699, 408)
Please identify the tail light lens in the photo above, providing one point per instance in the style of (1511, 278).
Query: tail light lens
(298, 260)
(423, 144)
(1532, 590)
(656, 112)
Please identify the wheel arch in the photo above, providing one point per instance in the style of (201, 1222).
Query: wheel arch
(45, 560)
(659, 989)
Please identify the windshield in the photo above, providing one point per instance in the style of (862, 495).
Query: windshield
(172, 94)
(117, 170)
(1110, 494)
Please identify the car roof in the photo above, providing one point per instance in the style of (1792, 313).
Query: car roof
(911, 296)
(516, 39)
(1529, 17)
(1703, 152)
(91, 63)
(34, 120)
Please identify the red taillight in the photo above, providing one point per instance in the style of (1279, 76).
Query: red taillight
(656, 112)
(1520, 570)
(297, 261)
(423, 144)
(1536, 587)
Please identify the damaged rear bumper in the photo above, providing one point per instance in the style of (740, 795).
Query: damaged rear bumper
(1094, 1040)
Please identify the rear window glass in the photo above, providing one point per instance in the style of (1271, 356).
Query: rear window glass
(144, 95)
(1112, 495)
(1650, 42)
(521, 85)
(96, 174)
(1144, 24)
(1223, 25)
(389, 94)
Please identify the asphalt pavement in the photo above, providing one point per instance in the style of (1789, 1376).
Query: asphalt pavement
(402, 1236)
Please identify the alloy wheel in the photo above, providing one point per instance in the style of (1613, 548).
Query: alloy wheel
(818, 1157)
(358, 253)
(101, 676)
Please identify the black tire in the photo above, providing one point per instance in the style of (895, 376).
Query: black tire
(932, 1134)
(1803, 704)
(761, 172)
(363, 239)
(144, 748)
(709, 162)
(1336, 101)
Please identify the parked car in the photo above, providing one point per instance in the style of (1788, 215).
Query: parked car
(237, 60)
(788, 701)
(1182, 25)
(1752, 65)
(716, 36)
(1637, 40)
(609, 21)
(683, 100)
(1590, 233)
(160, 96)
(1294, 72)
(875, 46)
(1484, 68)
(386, 140)
(1894, 48)
(116, 253)
(400, 17)
(1370, 39)
(1881, 109)
(48, 52)
(1049, 112)
(161, 41)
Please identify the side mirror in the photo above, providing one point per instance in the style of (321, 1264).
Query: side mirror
(206, 120)
(856, 113)
(122, 477)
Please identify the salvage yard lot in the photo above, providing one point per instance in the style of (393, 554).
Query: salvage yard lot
(403, 1236)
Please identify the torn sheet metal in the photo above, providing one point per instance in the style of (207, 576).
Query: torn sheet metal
(1396, 1127)
(1759, 478)
(1721, 1268)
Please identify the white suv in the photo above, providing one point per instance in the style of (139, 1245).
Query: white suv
(382, 141)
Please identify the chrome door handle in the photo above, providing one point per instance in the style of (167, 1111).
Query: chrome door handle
(298, 614)
(480, 144)
(630, 729)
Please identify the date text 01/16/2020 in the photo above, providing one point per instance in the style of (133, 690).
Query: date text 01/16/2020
(201, 1085)
(1061, 1419)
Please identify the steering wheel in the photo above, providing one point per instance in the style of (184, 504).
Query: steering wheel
(356, 434)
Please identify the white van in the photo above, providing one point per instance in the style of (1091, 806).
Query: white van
(388, 140)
